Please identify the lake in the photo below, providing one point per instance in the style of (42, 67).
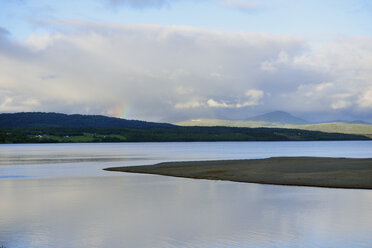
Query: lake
(57, 195)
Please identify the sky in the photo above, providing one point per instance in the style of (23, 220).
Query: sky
(160, 60)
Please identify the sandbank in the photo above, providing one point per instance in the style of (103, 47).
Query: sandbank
(300, 171)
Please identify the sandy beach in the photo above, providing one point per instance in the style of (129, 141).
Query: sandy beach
(299, 171)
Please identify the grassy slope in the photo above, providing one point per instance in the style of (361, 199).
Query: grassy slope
(337, 127)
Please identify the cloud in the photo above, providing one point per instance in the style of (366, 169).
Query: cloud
(254, 97)
(347, 62)
(214, 104)
(251, 98)
(4, 32)
(173, 73)
(11, 102)
(138, 3)
(341, 104)
(273, 64)
(189, 104)
(242, 5)
(365, 99)
(323, 86)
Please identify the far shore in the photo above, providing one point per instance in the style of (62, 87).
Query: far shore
(298, 171)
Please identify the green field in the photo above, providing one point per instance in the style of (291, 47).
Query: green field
(334, 127)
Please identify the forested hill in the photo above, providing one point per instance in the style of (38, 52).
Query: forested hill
(54, 128)
(39, 119)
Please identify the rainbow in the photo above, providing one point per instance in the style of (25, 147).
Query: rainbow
(120, 111)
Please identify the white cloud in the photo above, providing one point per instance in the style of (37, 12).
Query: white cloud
(138, 3)
(181, 90)
(268, 66)
(254, 97)
(31, 102)
(178, 72)
(41, 42)
(214, 104)
(242, 5)
(365, 99)
(273, 64)
(10, 102)
(323, 86)
(347, 61)
(341, 104)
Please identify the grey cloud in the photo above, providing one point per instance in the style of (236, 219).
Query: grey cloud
(48, 77)
(11, 48)
(174, 73)
(4, 32)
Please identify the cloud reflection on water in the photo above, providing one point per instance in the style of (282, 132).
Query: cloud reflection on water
(156, 211)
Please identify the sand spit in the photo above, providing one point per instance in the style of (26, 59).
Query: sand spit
(300, 171)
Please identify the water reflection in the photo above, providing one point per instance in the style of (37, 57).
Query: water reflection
(76, 204)
(155, 211)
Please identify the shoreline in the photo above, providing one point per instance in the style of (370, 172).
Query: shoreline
(352, 173)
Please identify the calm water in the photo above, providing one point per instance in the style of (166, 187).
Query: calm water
(58, 196)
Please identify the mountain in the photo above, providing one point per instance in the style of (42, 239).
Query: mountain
(279, 117)
(224, 123)
(358, 122)
(39, 119)
(351, 122)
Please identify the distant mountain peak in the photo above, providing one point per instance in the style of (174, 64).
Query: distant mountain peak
(279, 117)
(352, 122)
